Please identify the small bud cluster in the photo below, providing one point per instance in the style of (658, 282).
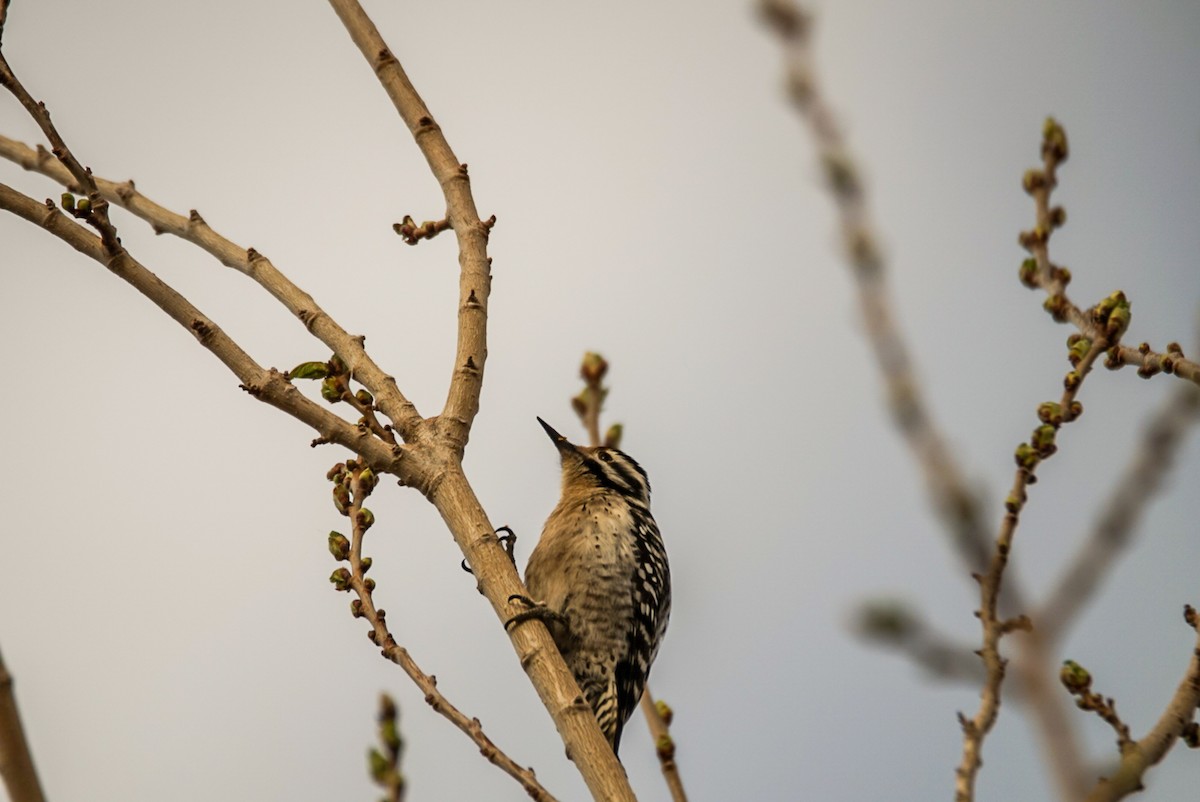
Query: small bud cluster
(1078, 682)
(383, 762)
(352, 482)
(335, 376)
(412, 233)
(1112, 316)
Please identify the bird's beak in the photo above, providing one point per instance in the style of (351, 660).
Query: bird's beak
(560, 442)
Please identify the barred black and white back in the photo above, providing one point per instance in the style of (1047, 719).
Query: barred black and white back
(601, 567)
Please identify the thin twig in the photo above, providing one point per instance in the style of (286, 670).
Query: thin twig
(359, 482)
(1040, 272)
(195, 229)
(16, 761)
(268, 386)
(1137, 758)
(1028, 455)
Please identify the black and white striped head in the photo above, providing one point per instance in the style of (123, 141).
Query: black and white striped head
(600, 467)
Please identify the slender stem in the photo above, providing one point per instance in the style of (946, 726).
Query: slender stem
(196, 230)
(391, 650)
(1139, 757)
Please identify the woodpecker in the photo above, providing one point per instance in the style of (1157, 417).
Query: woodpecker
(599, 579)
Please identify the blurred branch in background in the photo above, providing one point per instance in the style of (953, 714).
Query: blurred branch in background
(1100, 329)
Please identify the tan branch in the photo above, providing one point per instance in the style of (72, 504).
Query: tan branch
(359, 483)
(462, 400)
(16, 761)
(1137, 758)
(269, 386)
(249, 262)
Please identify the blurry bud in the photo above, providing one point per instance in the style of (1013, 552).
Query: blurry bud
(364, 398)
(340, 579)
(1075, 678)
(841, 174)
(368, 479)
(356, 609)
(365, 518)
(664, 711)
(1033, 180)
(579, 403)
(1043, 439)
(84, 204)
(612, 438)
(341, 498)
(339, 546)
(665, 747)
(1058, 217)
(1050, 412)
(593, 368)
(1026, 456)
(1056, 305)
(1028, 273)
(1078, 349)
(369, 584)
(378, 765)
(338, 365)
(886, 619)
(365, 563)
(331, 389)
(68, 201)
(334, 474)
(1054, 140)
(1072, 379)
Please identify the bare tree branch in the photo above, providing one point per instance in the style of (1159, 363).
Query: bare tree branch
(1040, 272)
(1028, 455)
(16, 761)
(1139, 757)
(247, 261)
(462, 401)
(269, 386)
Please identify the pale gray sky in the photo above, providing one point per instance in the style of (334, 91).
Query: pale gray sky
(164, 604)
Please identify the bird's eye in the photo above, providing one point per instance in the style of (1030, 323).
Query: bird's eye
(605, 456)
